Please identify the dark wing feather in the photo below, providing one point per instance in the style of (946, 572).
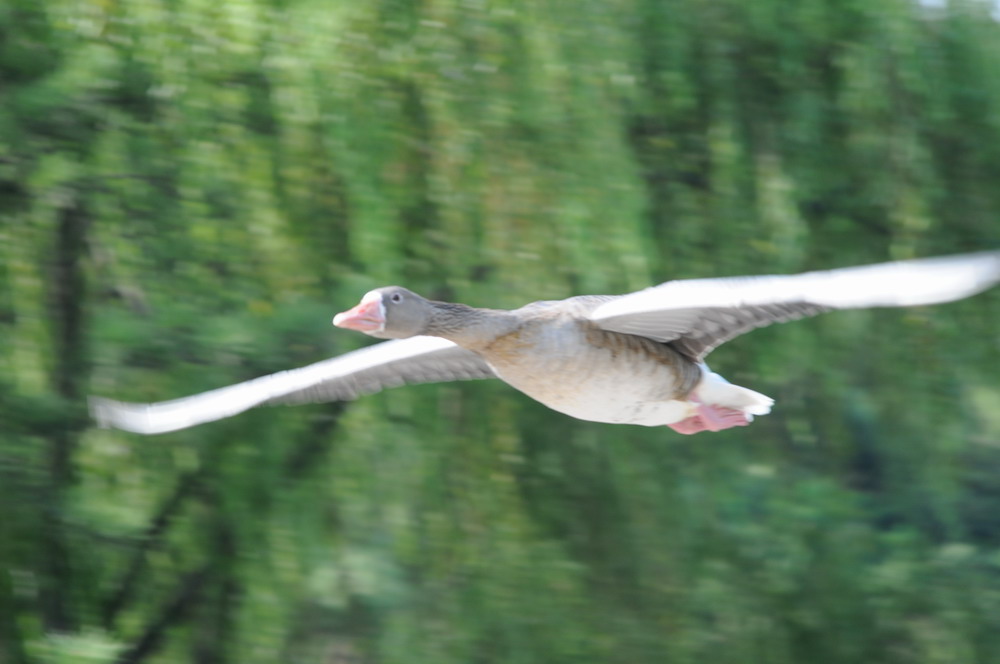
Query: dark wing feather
(371, 369)
(698, 315)
(717, 326)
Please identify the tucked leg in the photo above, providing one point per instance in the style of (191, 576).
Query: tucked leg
(690, 425)
(711, 418)
(718, 418)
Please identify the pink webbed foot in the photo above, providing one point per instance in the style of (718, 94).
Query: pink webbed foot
(692, 424)
(711, 418)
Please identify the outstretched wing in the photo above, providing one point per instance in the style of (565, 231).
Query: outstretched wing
(371, 369)
(697, 315)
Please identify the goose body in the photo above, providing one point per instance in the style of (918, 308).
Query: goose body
(628, 359)
(623, 379)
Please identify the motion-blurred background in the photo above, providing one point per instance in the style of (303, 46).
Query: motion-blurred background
(190, 189)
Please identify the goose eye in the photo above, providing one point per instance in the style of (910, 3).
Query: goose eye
(396, 297)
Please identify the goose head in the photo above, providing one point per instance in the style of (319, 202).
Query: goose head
(392, 312)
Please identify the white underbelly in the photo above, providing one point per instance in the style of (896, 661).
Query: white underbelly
(617, 399)
(616, 379)
(647, 398)
(622, 410)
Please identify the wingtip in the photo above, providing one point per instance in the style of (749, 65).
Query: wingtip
(111, 414)
(101, 411)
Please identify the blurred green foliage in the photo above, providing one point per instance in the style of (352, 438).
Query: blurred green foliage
(190, 189)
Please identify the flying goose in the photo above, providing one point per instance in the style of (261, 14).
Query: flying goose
(636, 358)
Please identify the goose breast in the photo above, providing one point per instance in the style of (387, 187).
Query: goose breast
(576, 368)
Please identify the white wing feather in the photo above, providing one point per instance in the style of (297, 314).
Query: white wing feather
(708, 312)
(388, 364)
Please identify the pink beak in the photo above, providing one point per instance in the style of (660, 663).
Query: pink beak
(368, 316)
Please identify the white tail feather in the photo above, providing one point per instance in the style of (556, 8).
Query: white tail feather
(716, 390)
